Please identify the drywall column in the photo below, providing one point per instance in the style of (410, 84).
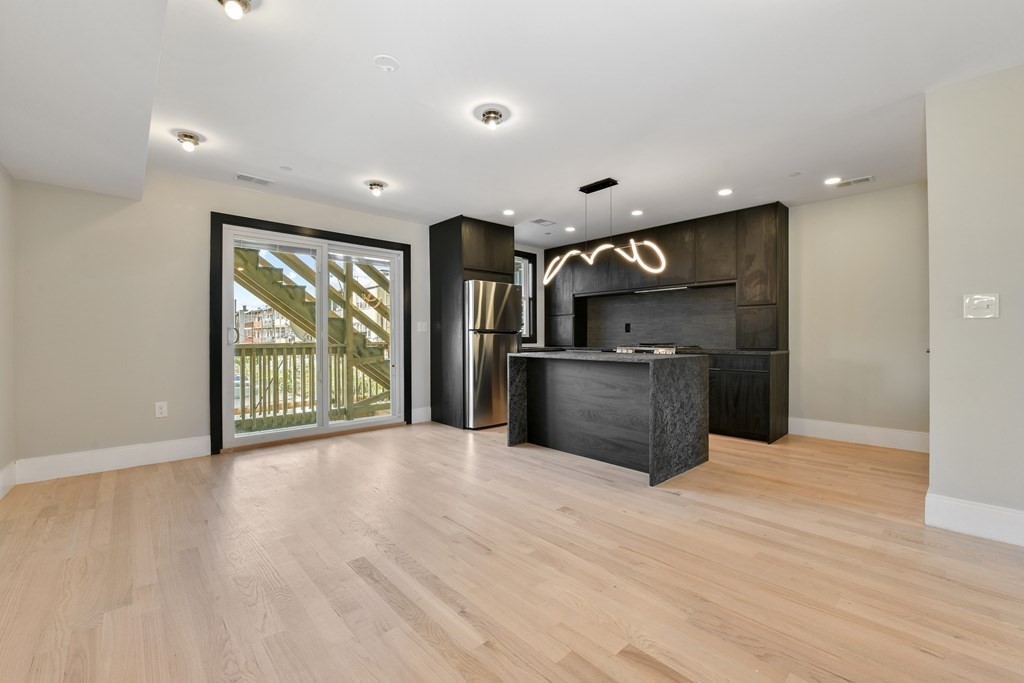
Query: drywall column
(976, 242)
(858, 318)
(6, 332)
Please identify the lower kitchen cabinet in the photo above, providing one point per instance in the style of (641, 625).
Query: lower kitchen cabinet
(749, 395)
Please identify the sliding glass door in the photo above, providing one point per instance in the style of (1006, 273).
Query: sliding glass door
(312, 343)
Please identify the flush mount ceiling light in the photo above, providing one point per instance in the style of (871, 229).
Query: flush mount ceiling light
(188, 141)
(508, 212)
(833, 181)
(376, 187)
(236, 9)
(724, 192)
(631, 253)
(491, 115)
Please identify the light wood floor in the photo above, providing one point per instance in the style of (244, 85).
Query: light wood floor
(430, 554)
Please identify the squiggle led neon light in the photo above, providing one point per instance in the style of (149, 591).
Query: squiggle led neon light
(631, 254)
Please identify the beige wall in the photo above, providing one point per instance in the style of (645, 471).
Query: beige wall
(976, 246)
(859, 310)
(113, 306)
(6, 322)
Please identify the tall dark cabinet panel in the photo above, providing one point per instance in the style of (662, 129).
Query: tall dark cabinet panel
(558, 294)
(461, 249)
(762, 283)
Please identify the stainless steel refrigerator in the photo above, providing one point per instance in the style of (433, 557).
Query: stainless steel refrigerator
(494, 321)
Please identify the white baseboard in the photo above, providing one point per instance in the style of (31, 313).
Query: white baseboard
(977, 519)
(420, 415)
(8, 478)
(871, 436)
(106, 459)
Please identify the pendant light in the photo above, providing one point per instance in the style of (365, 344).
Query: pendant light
(630, 253)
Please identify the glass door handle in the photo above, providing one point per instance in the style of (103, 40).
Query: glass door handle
(237, 336)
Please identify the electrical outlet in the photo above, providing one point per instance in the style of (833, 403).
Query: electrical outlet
(422, 327)
(627, 327)
(161, 409)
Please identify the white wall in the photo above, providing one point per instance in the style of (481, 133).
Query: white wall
(976, 246)
(113, 306)
(859, 318)
(6, 331)
(539, 295)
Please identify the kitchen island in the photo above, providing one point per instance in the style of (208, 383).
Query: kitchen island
(642, 411)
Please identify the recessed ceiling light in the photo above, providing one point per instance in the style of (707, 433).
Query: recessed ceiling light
(386, 63)
(509, 212)
(796, 174)
(833, 181)
(376, 187)
(638, 212)
(570, 229)
(491, 115)
(724, 192)
(188, 141)
(285, 168)
(235, 9)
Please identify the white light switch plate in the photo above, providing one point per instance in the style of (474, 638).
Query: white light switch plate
(979, 306)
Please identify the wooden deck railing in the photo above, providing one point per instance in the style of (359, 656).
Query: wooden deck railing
(276, 385)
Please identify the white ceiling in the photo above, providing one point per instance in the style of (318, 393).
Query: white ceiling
(674, 99)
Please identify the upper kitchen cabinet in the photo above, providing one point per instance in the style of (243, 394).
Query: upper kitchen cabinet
(487, 247)
(716, 248)
(677, 242)
(761, 243)
(558, 294)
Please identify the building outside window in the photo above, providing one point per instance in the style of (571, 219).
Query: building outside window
(526, 277)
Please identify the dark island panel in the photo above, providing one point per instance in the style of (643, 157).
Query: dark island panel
(645, 412)
(601, 412)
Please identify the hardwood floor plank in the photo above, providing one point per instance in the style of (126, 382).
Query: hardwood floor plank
(432, 554)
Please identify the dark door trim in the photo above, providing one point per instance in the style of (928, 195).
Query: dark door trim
(217, 223)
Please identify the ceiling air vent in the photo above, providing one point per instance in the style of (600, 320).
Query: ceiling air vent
(854, 181)
(253, 179)
(543, 221)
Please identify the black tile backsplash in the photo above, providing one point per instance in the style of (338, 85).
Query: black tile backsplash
(702, 316)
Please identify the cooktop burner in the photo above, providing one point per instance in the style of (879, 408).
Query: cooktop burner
(660, 348)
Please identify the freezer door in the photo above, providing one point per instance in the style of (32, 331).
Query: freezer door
(493, 306)
(487, 378)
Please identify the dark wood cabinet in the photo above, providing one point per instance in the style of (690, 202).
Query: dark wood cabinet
(558, 294)
(749, 396)
(460, 249)
(757, 282)
(757, 328)
(487, 247)
(559, 330)
(677, 241)
(738, 403)
(716, 248)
